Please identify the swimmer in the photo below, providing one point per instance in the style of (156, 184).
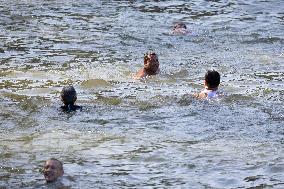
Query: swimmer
(52, 170)
(68, 97)
(180, 28)
(211, 83)
(151, 66)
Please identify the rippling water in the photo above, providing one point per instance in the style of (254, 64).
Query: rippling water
(142, 134)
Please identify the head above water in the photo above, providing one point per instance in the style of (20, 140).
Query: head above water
(68, 95)
(151, 62)
(179, 25)
(212, 79)
(52, 170)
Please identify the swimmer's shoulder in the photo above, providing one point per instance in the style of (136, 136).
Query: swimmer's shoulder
(71, 108)
(140, 74)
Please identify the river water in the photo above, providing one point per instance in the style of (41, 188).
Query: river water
(150, 133)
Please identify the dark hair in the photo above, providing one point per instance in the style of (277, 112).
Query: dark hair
(212, 79)
(68, 95)
(180, 25)
(146, 58)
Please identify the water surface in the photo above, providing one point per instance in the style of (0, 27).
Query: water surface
(150, 133)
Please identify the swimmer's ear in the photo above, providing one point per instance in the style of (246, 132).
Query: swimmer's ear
(205, 83)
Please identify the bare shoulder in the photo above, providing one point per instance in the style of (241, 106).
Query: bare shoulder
(200, 95)
(141, 73)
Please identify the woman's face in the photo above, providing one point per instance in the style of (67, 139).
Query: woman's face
(152, 62)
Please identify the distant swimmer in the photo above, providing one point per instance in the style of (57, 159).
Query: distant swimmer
(68, 97)
(52, 170)
(151, 66)
(180, 29)
(211, 83)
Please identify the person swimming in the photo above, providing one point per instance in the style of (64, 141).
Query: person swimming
(68, 97)
(52, 170)
(179, 28)
(151, 66)
(211, 83)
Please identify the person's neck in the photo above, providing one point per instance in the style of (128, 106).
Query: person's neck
(71, 104)
(150, 71)
(211, 89)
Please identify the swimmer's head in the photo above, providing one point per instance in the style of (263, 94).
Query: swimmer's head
(68, 95)
(179, 25)
(212, 79)
(151, 62)
(52, 170)
(180, 29)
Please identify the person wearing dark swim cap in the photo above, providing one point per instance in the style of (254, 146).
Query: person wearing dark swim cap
(68, 97)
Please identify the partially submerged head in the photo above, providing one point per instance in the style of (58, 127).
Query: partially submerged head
(68, 95)
(180, 28)
(52, 170)
(179, 25)
(151, 62)
(212, 79)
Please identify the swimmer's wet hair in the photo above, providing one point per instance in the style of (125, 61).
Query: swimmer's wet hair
(180, 25)
(146, 55)
(212, 79)
(68, 95)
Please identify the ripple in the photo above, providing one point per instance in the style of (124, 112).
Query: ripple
(132, 134)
